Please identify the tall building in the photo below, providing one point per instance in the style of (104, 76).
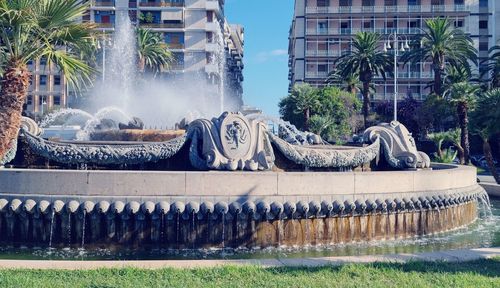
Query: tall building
(322, 30)
(193, 30)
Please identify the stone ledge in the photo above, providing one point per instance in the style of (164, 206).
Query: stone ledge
(449, 256)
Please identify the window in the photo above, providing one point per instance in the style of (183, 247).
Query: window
(210, 37)
(322, 68)
(437, 2)
(344, 3)
(43, 79)
(57, 100)
(43, 61)
(483, 3)
(29, 100)
(483, 46)
(413, 2)
(323, 27)
(323, 3)
(368, 2)
(483, 24)
(367, 24)
(210, 16)
(459, 2)
(459, 23)
(57, 80)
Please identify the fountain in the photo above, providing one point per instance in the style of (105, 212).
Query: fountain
(250, 199)
(225, 182)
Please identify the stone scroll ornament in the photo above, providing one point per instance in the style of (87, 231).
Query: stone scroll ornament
(27, 124)
(230, 142)
(398, 145)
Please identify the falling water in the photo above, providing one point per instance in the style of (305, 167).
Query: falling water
(162, 228)
(223, 228)
(51, 227)
(63, 114)
(221, 65)
(83, 228)
(485, 205)
(69, 228)
(177, 228)
(193, 231)
(121, 65)
(280, 225)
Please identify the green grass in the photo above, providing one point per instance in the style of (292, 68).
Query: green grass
(482, 273)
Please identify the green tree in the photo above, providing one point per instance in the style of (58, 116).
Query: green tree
(492, 64)
(31, 29)
(305, 99)
(485, 122)
(335, 118)
(441, 44)
(463, 95)
(367, 61)
(153, 53)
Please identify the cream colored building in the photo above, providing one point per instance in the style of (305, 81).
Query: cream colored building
(190, 28)
(322, 30)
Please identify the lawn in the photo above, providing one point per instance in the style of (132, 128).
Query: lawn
(482, 273)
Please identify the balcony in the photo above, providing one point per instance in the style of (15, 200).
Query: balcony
(104, 25)
(175, 45)
(213, 5)
(316, 74)
(162, 25)
(212, 26)
(211, 47)
(109, 4)
(161, 4)
(323, 53)
(387, 9)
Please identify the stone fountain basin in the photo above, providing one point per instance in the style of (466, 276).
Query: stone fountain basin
(233, 186)
(233, 209)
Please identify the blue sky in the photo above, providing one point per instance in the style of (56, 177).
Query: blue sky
(266, 24)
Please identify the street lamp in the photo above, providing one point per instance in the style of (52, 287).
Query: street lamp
(397, 42)
(103, 44)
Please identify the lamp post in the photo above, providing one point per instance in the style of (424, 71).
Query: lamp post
(396, 41)
(103, 44)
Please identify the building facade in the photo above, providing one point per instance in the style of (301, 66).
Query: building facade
(193, 30)
(322, 30)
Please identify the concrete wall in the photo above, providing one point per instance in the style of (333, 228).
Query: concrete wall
(232, 186)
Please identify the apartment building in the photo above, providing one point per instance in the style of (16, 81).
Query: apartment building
(322, 30)
(191, 28)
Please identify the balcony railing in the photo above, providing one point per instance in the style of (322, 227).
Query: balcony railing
(316, 74)
(162, 4)
(103, 3)
(162, 25)
(323, 53)
(104, 25)
(386, 9)
(175, 45)
(351, 31)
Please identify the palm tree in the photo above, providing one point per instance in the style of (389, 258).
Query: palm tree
(492, 64)
(441, 44)
(305, 98)
(349, 83)
(30, 29)
(463, 95)
(484, 122)
(153, 53)
(367, 61)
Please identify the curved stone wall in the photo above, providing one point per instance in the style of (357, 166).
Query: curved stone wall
(231, 209)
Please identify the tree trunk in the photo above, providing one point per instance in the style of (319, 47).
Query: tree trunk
(489, 159)
(463, 120)
(13, 93)
(461, 154)
(307, 115)
(437, 81)
(366, 103)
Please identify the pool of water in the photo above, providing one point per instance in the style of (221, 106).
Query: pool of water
(485, 232)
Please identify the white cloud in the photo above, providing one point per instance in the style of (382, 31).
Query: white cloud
(270, 55)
